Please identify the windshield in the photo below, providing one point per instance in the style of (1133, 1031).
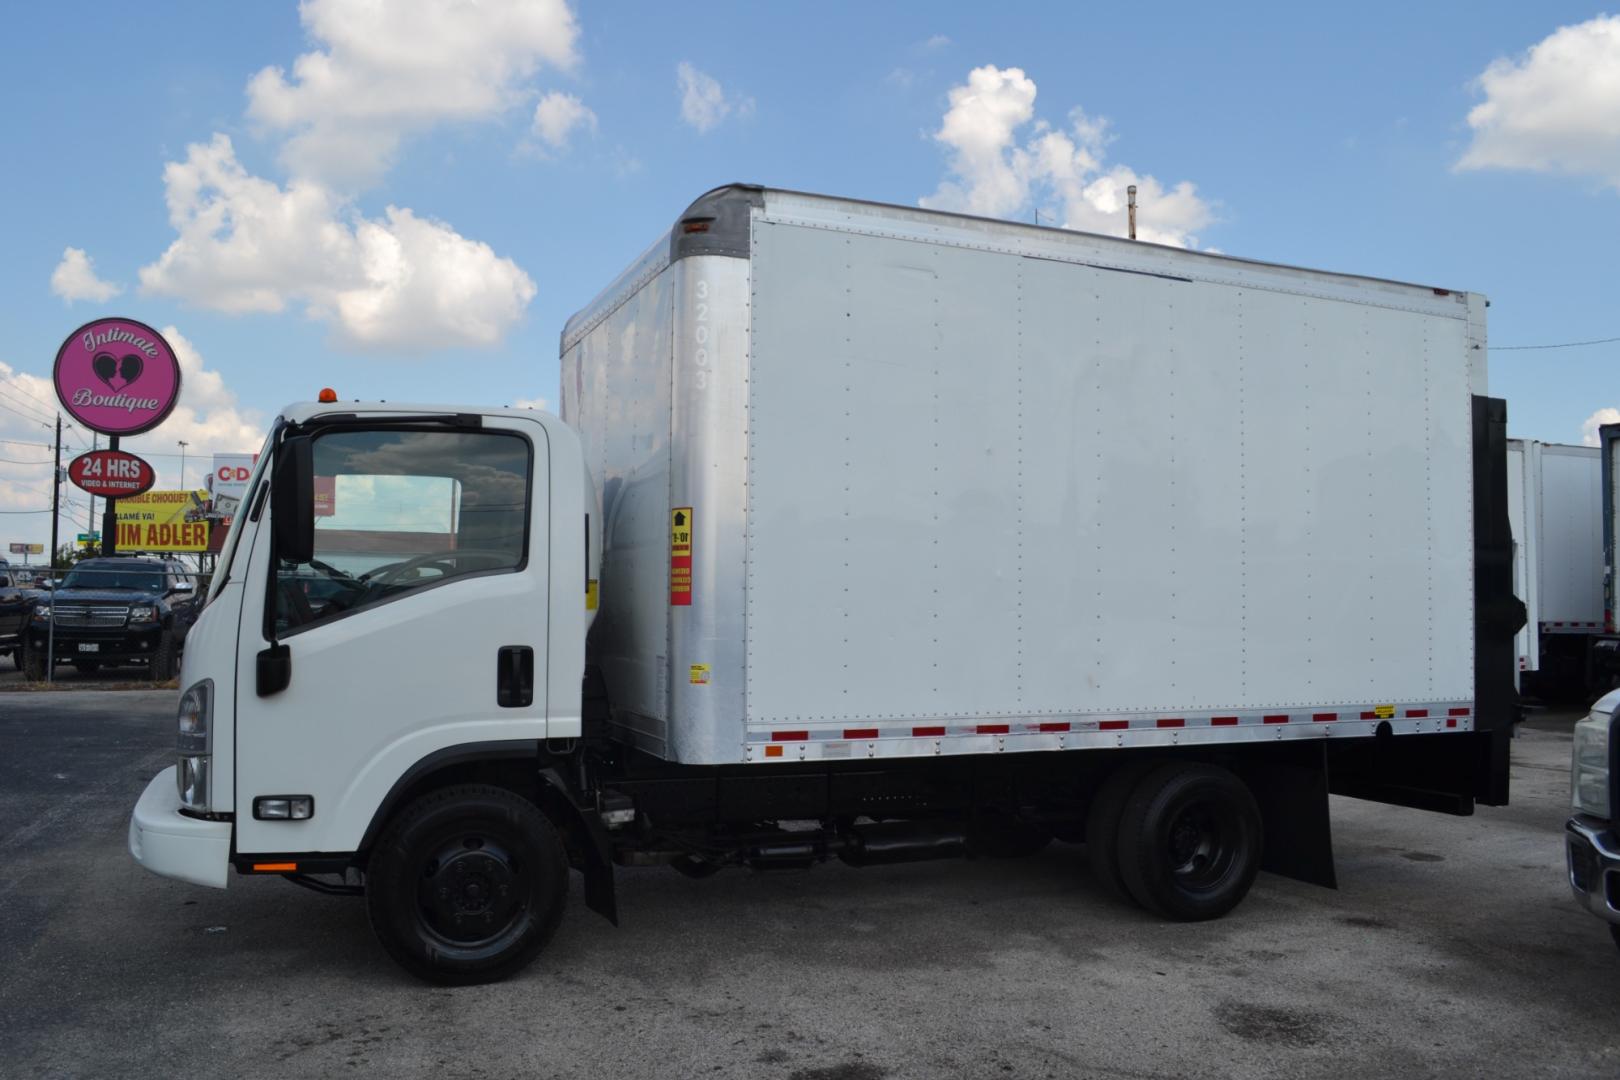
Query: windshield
(144, 578)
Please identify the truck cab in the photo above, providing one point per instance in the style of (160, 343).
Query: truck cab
(409, 601)
(1592, 834)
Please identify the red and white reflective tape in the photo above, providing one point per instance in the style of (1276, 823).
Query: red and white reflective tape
(885, 738)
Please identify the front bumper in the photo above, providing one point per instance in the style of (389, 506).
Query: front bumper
(1592, 851)
(130, 643)
(167, 842)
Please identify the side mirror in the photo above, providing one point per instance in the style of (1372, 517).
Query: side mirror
(183, 586)
(292, 500)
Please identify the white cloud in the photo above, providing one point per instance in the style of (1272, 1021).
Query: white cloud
(532, 403)
(27, 423)
(1589, 426)
(384, 69)
(938, 41)
(558, 116)
(246, 244)
(75, 278)
(208, 417)
(1554, 109)
(704, 102)
(1003, 162)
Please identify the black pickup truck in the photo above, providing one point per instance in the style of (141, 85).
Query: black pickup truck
(17, 601)
(114, 611)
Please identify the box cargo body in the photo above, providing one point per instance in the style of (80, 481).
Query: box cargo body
(962, 486)
(1555, 498)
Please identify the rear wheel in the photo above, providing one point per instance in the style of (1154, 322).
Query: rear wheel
(467, 885)
(1102, 826)
(1189, 841)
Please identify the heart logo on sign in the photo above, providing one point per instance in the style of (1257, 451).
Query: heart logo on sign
(116, 373)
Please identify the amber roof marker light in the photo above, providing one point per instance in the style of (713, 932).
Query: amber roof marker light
(327, 395)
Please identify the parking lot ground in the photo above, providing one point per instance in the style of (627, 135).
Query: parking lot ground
(1451, 948)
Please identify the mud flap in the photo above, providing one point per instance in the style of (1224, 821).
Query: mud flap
(1293, 800)
(595, 847)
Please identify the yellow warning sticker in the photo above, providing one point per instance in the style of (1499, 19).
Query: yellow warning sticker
(680, 557)
(590, 595)
(700, 674)
(1384, 711)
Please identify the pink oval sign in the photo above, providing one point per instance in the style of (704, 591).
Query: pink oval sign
(117, 376)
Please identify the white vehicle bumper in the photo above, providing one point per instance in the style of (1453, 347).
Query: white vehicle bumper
(166, 842)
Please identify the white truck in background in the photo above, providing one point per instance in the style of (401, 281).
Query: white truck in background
(1556, 507)
(869, 533)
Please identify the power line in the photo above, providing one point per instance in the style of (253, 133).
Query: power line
(1559, 345)
(26, 416)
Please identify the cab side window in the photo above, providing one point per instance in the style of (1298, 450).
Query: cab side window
(399, 511)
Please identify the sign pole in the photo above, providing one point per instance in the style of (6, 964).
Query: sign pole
(56, 494)
(109, 521)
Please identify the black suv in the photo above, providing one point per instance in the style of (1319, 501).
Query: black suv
(121, 610)
(17, 600)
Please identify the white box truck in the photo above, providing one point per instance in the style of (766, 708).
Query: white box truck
(867, 533)
(1556, 507)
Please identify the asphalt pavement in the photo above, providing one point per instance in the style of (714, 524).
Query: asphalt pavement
(1451, 948)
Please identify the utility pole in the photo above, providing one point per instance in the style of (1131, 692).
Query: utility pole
(56, 490)
(1130, 193)
(183, 445)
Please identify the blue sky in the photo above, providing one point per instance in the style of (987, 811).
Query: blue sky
(1329, 139)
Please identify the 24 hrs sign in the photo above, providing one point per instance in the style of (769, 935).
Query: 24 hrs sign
(112, 474)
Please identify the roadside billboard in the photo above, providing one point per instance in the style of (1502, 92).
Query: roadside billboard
(164, 521)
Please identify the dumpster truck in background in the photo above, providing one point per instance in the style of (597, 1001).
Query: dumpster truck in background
(868, 533)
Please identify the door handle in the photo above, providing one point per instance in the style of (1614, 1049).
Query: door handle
(514, 677)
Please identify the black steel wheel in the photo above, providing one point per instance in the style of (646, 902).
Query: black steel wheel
(1102, 826)
(467, 885)
(1189, 841)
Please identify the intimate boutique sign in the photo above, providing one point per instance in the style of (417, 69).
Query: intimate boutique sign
(117, 376)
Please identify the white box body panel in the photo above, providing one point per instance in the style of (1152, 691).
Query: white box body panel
(970, 487)
(1524, 521)
(1570, 550)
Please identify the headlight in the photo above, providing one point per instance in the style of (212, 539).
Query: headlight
(195, 741)
(1589, 766)
(43, 611)
(143, 613)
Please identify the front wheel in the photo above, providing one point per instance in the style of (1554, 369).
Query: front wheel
(33, 665)
(467, 885)
(1189, 841)
(165, 662)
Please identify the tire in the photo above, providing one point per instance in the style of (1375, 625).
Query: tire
(997, 836)
(1614, 932)
(1190, 840)
(33, 665)
(467, 885)
(1102, 826)
(87, 667)
(164, 661)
